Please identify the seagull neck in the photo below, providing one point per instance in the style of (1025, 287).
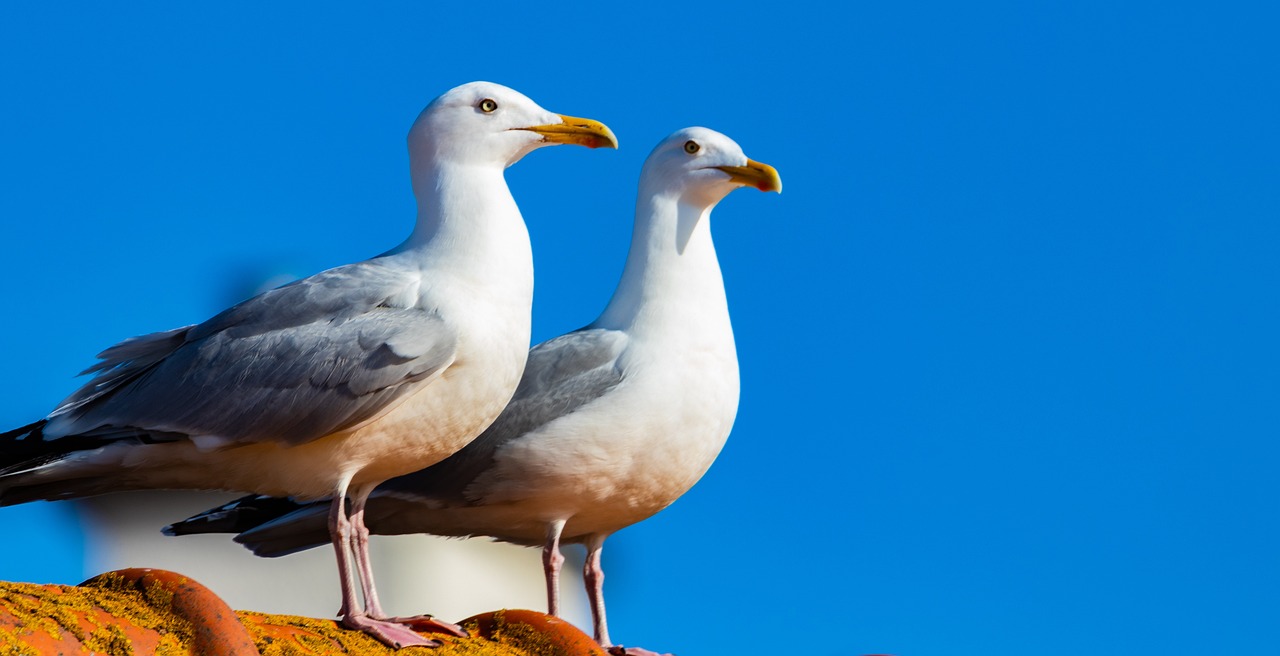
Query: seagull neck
(671, 274)
(466, 213)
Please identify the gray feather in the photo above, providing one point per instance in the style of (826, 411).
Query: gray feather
(293, 364)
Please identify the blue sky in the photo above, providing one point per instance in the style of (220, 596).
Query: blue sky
(1008, 339)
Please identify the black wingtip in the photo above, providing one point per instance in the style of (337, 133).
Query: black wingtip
(23, 448)
(241, 515)
(32, 431)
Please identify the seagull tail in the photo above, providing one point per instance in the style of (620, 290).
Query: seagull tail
(303, 529)
(24, 451)
(21, 445)
(241, 515)
(34, 428)
(267, 526)
(35, 466)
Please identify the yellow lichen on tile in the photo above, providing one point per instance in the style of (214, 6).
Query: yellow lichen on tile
(113, 617)
(92, 616)
(286, 635)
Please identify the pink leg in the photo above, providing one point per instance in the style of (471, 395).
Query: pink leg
(373, 607)
(593, 576)
(552, 559)
(340, 535)
(343, 535)
(360, 547)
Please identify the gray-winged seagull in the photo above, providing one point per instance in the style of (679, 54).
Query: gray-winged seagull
(326, 387)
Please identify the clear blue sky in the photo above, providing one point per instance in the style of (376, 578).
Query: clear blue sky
(1008, 339)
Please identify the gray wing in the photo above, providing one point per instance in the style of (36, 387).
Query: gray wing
(562, 375)
(294, 364)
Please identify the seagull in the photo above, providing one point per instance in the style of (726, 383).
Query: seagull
(326, 387)
(610, 424)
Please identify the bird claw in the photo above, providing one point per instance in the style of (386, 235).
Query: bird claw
(430, 624)
(619, 650)
(391, 634)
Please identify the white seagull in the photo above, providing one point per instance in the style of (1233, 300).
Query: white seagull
(611, 423)
(326, 387)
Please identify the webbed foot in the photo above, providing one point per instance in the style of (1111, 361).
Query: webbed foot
(389, 633)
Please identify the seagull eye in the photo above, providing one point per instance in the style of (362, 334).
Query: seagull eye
(488, 105)
(691, 147)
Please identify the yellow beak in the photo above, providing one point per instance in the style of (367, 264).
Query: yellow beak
(579, 131)
(755, 174)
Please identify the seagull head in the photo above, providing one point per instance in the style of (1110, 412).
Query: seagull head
(482, 123)
(702, 166)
